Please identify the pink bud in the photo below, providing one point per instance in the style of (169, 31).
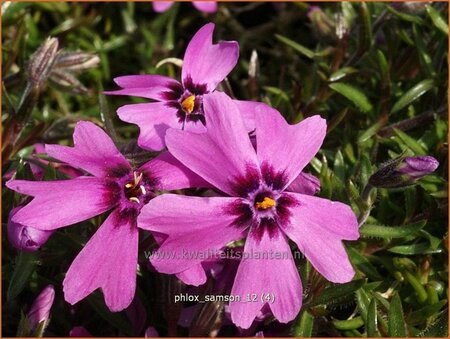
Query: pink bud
(403, 171)
(40, 310)
(151, 332)
(79, 332)
(313, 10)
(23, 237)
(417, 167)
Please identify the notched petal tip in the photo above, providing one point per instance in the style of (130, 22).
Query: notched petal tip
(206, 63)
(206, 30)
(113, 243)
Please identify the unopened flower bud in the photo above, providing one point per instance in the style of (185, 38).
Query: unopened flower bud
(40, 310)
(42, 61)
(322, 24)
(403, 171)
(79, 332)
(23, 237)
(69, 63)
(67, 81)
(59, 66)
(417, 167)
(151, 332)
(76, 61)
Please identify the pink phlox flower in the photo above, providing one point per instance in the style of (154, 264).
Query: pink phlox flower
(197, 275)
(180, 105)
(109, 259)
(255, 206)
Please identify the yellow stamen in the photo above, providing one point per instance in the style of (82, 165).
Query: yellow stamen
(188, 104)
(265, 204)
(137, 180)
(134, 199)
(143, 189)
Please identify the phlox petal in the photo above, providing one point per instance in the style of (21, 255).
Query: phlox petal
(288, 148)
(318, 227)
(206, 63)
(108, 261)
(262, 278)
(60, 203)
(93, 151)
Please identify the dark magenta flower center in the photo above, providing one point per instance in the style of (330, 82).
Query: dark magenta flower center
(129, 190)
(191, 108)
(188, 100)
(263, 205)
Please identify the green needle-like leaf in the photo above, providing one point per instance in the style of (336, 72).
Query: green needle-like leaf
(363, 264)
(397, 326)
(413, 94)
(437, 19)
(389, 231)
(371, 322)
(25, 265)
(410, 142)
(354, 94)
(331, 293)
(296, 46)
(304, 326)
(341, 73)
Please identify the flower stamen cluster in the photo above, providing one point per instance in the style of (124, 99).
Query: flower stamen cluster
(188, 104)
(265, 203)
(133, 189)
